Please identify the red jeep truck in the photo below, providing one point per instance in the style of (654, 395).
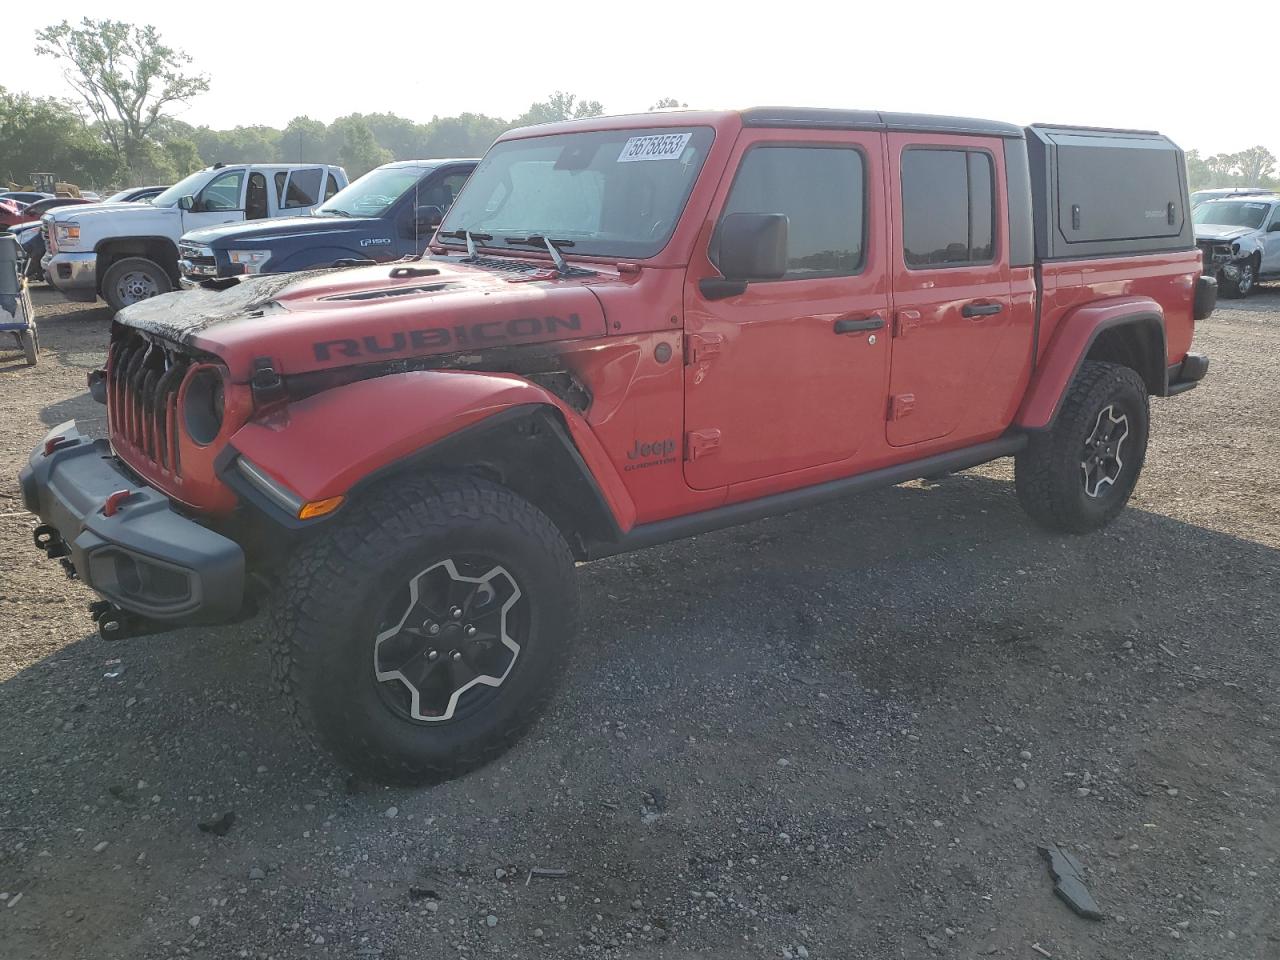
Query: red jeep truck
(627, 330)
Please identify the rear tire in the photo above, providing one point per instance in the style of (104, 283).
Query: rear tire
(132, 279)
(376, 653)
(1077, 476)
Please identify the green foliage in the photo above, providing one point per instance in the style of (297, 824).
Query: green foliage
(44, 134)
(126, 76)
(668, 103)
(356, 148)
(114, 149)
(1255, 167)
(559, 106)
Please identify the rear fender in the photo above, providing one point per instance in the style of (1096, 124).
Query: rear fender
(339, 442)
(1077, 334)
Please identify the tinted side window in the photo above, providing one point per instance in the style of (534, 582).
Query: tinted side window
(948, 208)
(820, 190)
(281, 177)
(303, 189)
(330, 186)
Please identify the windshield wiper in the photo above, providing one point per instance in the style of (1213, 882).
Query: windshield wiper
(333, 210)
(552, 247)
(471, 239)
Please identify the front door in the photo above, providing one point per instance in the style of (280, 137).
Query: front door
(952, 304)
(791, 373)
(1271, 244)
(221, 201)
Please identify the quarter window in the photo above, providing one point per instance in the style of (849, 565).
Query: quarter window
(821, 191)
(330, 187)
(948, 208)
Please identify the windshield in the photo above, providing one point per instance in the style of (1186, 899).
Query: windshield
(186, 187)
(373, 194)
(1232, 213)
(613, 193)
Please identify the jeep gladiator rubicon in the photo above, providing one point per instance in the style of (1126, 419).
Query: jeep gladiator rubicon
(126, 252)
(389, 213)
(627, 330)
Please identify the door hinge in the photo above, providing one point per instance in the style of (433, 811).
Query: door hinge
(700, 443)
(901, 405)
(701, 346)
(905, 321)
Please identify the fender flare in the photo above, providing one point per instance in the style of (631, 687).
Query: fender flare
(1071, 342)
(340, 441)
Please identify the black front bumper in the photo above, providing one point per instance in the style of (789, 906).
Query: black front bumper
(140, 554)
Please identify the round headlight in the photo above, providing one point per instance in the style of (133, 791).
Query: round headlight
(202, 411)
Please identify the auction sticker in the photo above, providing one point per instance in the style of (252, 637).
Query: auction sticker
(663, 146)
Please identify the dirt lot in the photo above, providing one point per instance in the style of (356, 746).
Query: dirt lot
(836, 734)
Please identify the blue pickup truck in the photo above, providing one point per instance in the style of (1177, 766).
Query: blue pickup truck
(389, 213)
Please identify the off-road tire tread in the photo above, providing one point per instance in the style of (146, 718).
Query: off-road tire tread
(1047, 471)
(419, 508)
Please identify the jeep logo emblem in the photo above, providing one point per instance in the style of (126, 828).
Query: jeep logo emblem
(652, 453)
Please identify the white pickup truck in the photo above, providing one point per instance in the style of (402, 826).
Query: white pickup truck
(126, 252)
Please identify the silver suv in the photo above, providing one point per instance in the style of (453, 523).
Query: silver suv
(1240, 240)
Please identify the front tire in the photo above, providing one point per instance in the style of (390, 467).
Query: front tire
(133, 279)
(1078, 475)
(1245, 281)
(420, 638)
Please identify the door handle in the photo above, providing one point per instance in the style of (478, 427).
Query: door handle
(854, 324)
(981, 309)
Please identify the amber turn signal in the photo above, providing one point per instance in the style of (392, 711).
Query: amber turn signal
(319, 508)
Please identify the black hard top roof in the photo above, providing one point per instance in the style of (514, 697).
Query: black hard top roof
(818, 117)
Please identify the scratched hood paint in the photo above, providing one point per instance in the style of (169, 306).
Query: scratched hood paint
(325, 319)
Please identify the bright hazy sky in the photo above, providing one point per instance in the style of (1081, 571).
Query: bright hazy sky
(1122, 63)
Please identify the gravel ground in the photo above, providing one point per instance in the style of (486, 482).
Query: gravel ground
(841, 734)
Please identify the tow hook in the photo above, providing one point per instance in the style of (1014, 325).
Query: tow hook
(50, 541)
(113, 623)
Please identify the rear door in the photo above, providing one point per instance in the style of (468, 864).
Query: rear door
(952, 303)
(791, 373)
(299, 191)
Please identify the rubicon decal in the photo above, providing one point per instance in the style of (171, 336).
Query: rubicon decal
(484, 333)
(654, 453)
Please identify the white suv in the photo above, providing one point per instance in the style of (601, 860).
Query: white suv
(126, 252)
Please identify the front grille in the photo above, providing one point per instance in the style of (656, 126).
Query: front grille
(193, 254)
(47, 235)
(142, 402)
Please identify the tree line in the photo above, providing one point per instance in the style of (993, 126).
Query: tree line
(120, 130)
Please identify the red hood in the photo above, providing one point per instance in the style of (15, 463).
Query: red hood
(325, 319)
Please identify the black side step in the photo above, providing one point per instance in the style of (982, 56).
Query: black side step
(664, 531)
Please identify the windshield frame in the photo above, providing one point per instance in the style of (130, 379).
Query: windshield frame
(1209, 206)
(572, 244)
(422, 170)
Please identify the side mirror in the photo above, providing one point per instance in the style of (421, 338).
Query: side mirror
(750, 246)
(753, 246)
(187, 203)
(428, 217)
